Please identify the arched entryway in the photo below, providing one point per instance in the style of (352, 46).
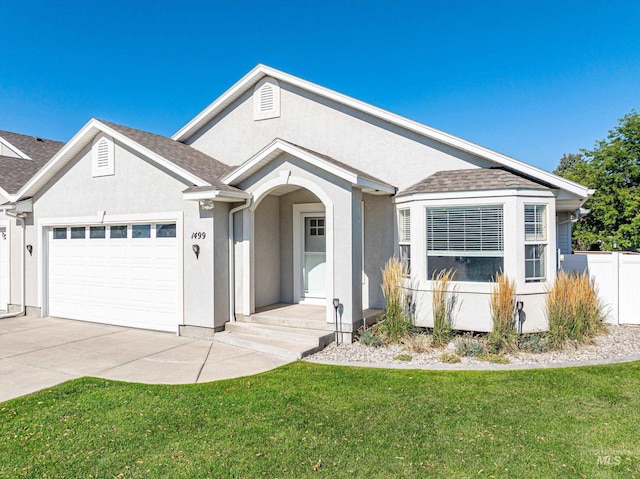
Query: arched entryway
(292, 245)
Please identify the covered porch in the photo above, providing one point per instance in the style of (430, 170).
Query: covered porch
(301, 243)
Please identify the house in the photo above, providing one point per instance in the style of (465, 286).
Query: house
(279, 192)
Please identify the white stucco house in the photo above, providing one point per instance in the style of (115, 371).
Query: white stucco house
(279, 192)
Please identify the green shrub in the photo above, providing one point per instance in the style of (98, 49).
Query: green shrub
(403, 357)
(449, 358)
(573, 309)
(443, 302)
(470, 346)
(533, 343)
(503, 337)
(397, 320)
(494, 358)
(371, 337)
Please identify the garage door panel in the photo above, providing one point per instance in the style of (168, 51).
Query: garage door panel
(122, 281)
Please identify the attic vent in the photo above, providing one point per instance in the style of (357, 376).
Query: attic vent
(103, 158)
(266, 100)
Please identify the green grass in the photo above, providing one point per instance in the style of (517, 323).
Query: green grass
(357, 422)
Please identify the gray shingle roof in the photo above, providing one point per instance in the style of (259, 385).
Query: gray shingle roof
(344, 166)
(15, 172)
(194, 161)
(476, 179)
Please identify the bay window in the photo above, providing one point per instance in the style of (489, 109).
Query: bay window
(467, 239)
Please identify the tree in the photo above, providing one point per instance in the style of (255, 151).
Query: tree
(612, 168)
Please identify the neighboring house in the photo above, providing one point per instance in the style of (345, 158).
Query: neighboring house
(21, 156)
(280, 191)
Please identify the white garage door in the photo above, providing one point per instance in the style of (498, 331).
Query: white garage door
(125, 275)
(4, 268)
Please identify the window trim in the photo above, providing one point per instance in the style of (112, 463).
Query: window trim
(539, 240)
(404, 236)
(465, 251)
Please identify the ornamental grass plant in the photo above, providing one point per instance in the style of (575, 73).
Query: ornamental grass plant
(574, 311)
(503, 337)
(443, 301)
(397, 320)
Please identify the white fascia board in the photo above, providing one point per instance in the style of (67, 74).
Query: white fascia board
(456, 195)
(374, 187)
(215, 194)
(261, 71)
(19, 152)
(79, 140)
(220, 103)
(279, 146)
(169, 165)
(83, 138)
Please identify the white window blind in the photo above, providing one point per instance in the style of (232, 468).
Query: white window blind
(465, 231)
(404, 224)
(404, 237)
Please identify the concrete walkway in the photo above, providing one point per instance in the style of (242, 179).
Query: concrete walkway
(36, 353)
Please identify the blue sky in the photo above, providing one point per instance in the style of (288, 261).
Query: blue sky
(531, 79)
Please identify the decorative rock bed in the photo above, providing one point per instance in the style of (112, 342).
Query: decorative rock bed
(622, 342)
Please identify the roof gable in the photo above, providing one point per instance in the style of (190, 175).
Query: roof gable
(33, 153)
(357, 177)
(188, 163)
(261, 71)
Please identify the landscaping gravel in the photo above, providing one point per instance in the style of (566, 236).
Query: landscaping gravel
(622, 342)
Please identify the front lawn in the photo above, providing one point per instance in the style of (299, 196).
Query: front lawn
(308, 420)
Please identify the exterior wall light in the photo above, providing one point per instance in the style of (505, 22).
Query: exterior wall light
(206, 205)
(196, 250)
(30, 249)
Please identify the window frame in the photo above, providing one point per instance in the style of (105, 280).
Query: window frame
(495, 236)
(404, 237)
(537, 241)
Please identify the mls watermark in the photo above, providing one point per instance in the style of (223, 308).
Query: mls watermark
(612, 458)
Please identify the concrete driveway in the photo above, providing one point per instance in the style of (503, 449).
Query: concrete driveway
(36, 353)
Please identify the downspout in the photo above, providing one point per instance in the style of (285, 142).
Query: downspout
(232, 265)
(19, 217)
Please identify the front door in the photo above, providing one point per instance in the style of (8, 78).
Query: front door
(314, 255)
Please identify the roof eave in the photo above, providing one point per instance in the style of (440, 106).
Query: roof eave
(261, 71)
(216, 195)
(79, 141)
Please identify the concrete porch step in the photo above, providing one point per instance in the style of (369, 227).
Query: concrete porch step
(291, 350)
(272, 318)
(313, 337)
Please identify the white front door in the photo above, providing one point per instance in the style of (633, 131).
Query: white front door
(314, 252)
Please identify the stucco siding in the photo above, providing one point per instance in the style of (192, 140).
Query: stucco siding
(137, 190)
(379, 230)
(267, 251)
(329, 128)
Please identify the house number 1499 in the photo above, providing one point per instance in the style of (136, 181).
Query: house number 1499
(199, 235)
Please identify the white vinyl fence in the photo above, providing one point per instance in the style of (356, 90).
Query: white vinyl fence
(617, 277)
